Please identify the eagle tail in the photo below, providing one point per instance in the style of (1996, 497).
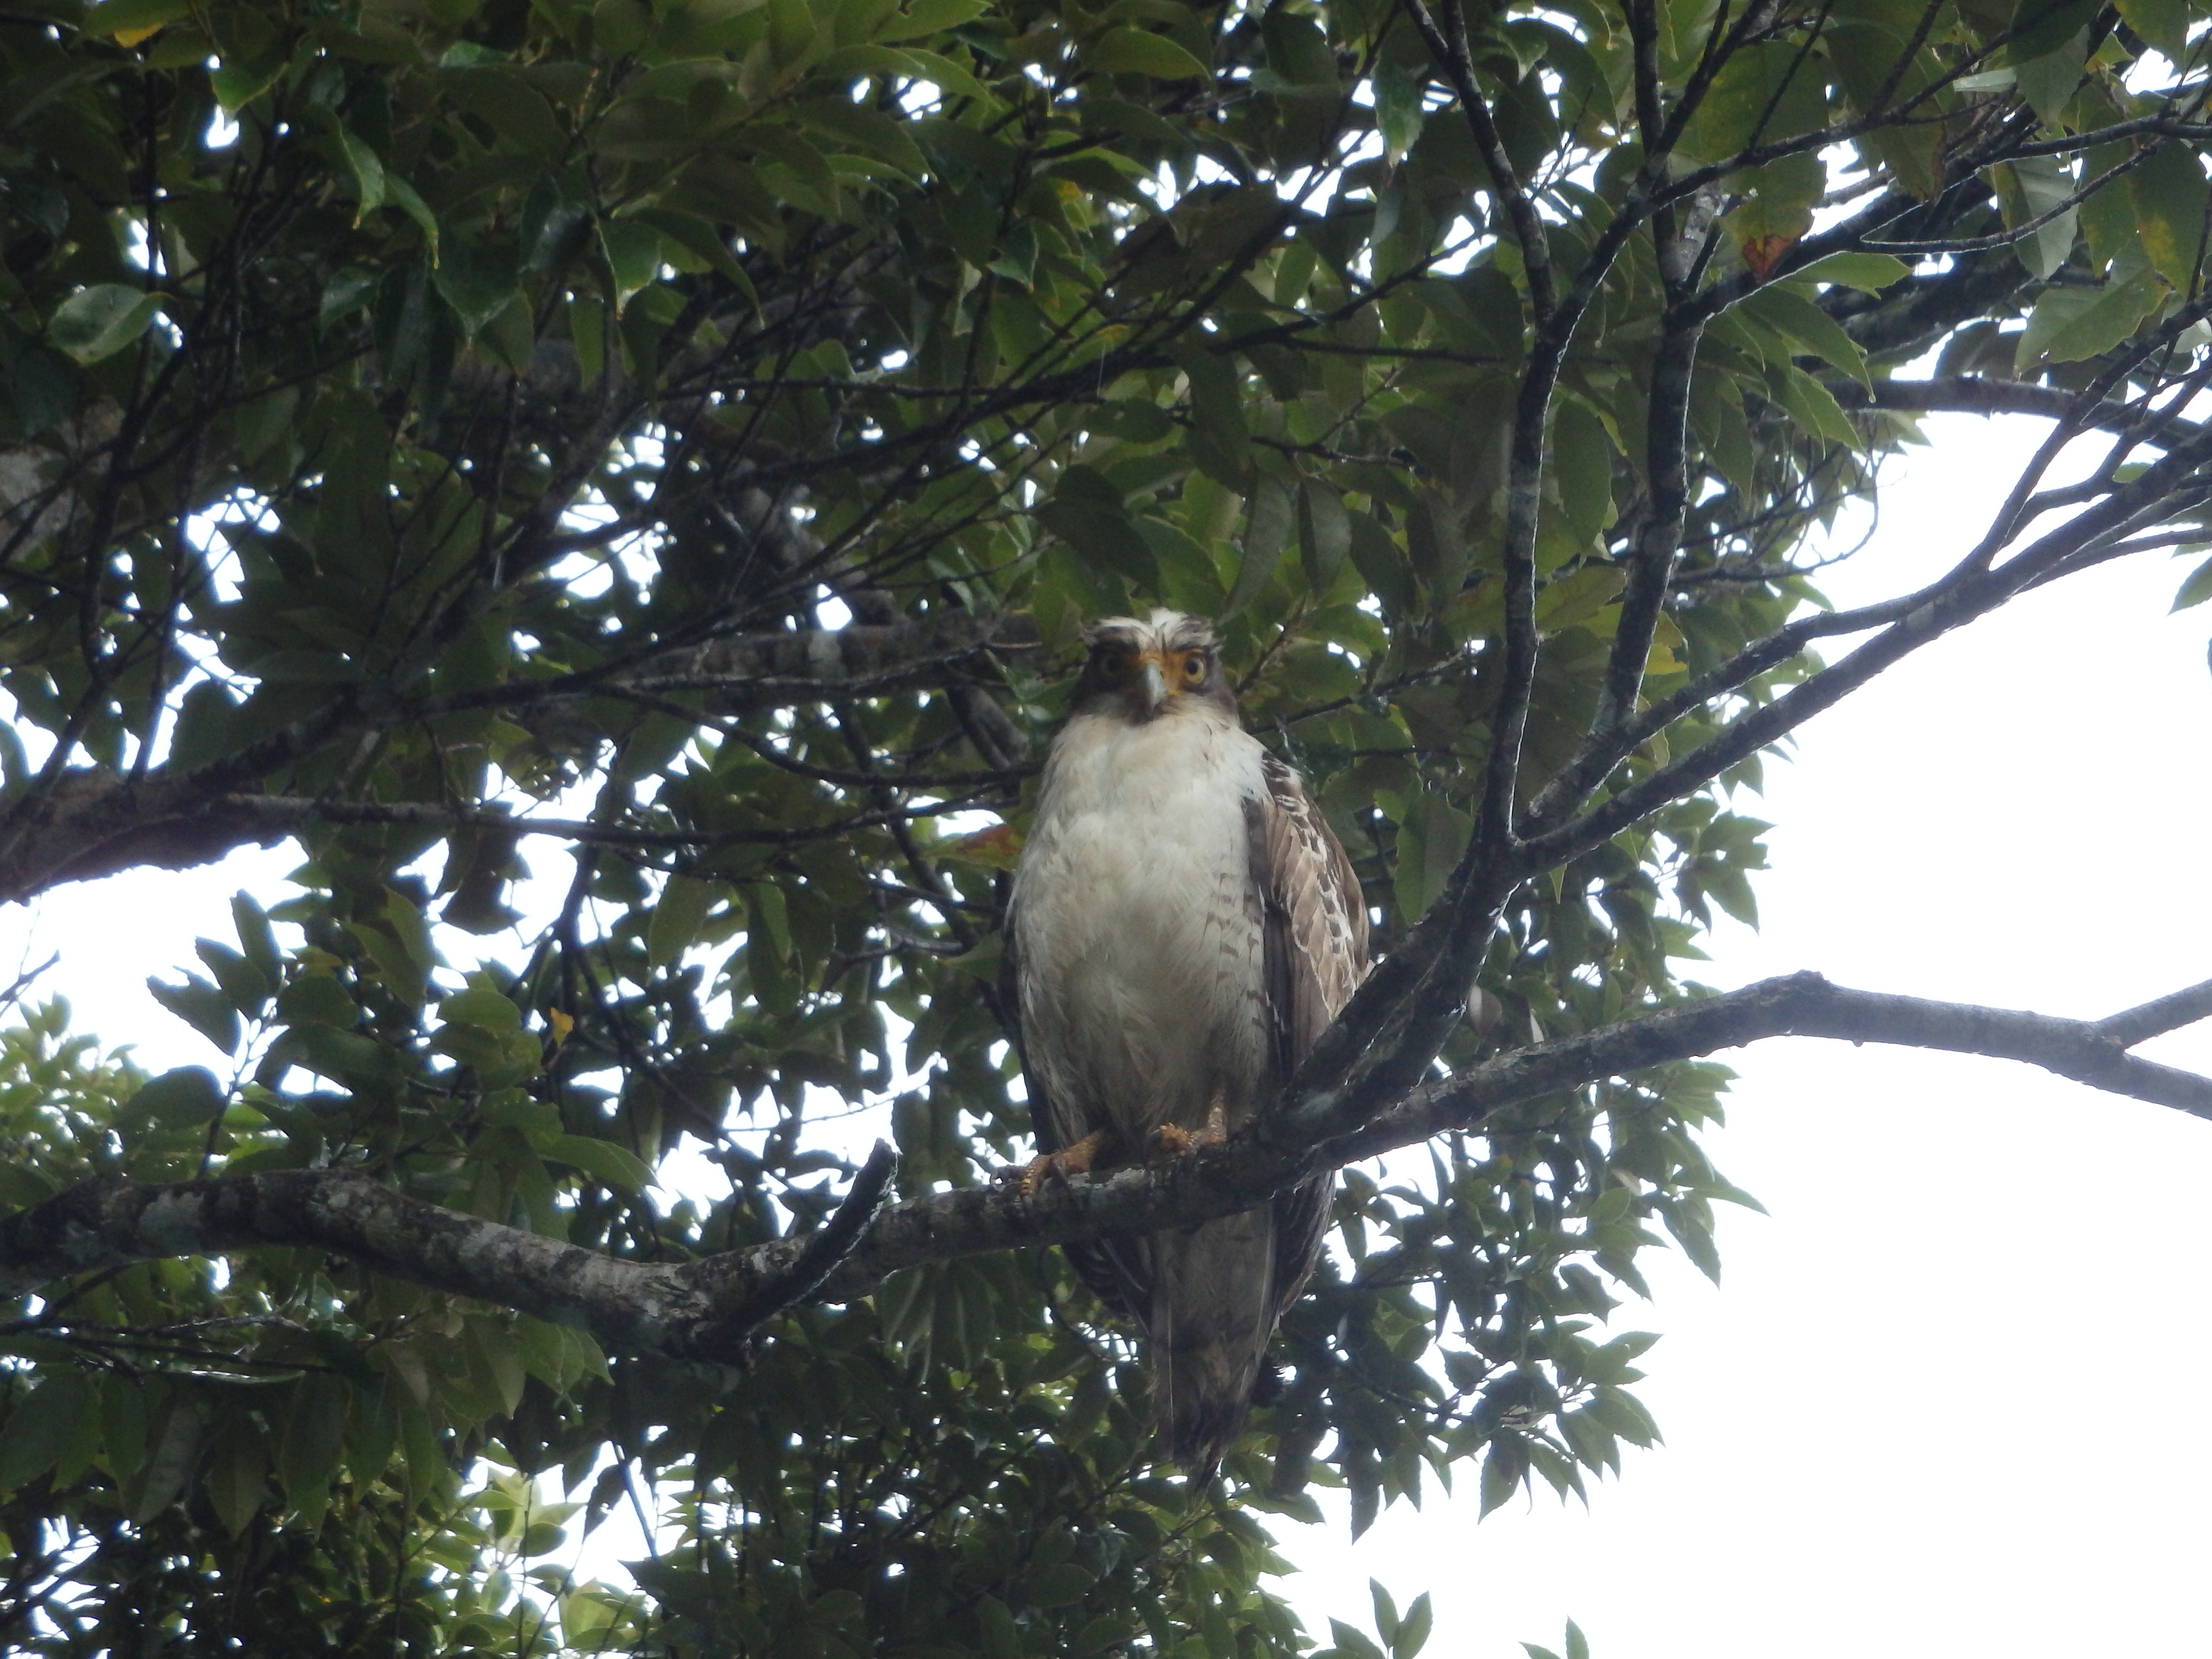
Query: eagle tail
(1212, 1311)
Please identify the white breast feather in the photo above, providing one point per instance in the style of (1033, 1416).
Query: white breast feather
(1141, 941)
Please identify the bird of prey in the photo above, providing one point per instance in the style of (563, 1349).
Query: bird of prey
(1184, 926)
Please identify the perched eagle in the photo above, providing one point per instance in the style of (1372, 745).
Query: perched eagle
(1184, 927)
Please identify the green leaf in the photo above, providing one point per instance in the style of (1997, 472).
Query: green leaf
(915, 62)
(98, 322)
(619, 27)
(1298, 52)
(39, 387)
(202, 1006)
(926, 17)
(1324, 533)
(2070, 324)
(2170, 198)
(2028, 189)
(1086, 512)
(2050, 82)
(1815, 407)
(1267, 533)
(1577, 598)
(175, 1454)
(1431, 842)
(1414, 1629)
(770, 917)
(1061, 1585)
(400, 947)
(1866, 41)
(633, 254)
(1869, 272)
(1581, 459)
(234, 88)
(317, 999)
(38, 1431)
(1503, 1467)
(255, 936)
(478, 280)
(2042, 27)
(869, 131)
(1381, 563)
(1001, 1638)
(1386, 1610)
(498, 95)
(1791, 314)
(1398, 114)
(308, 1443)
(1134, 50)
(413, 931)
(345, 1057)
(482, 1007)
(677, 917)
(346, 292)
(602, 1160)
(180, 1098)
(1763, 93)
(2196, 589)
(129, 21)
(415, 208)
(248, 988)
(1217, 441)
(237, 1480)
(362, 162)
(2164, 23)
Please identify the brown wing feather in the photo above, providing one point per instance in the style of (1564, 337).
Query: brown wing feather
(1316, 954)
(1316, 917)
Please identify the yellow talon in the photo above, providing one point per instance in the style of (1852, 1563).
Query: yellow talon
(1170, 1140)
(1077, 1159)
(1173, 1140)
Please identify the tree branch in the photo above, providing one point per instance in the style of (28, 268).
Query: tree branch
(1657, 545)
(1983, 394)
(1968, 591)
(89, 822)
(2156, 1018)
(705, 1308)
(702, 1310)
(1446, 41)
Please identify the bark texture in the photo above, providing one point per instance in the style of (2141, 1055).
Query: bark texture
(708, 1308)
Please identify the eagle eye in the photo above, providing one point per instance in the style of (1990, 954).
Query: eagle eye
(1115, 660)
(1194, 667)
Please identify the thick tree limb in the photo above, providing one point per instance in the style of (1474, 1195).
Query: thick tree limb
(704, 1309)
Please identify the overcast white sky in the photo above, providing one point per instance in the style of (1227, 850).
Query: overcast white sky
(1948, 1397)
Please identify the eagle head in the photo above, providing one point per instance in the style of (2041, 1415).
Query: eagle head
(1142, 668)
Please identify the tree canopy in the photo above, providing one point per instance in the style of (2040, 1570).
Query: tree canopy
(619, 486)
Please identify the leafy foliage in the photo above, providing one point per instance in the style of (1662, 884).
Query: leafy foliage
(677, 444)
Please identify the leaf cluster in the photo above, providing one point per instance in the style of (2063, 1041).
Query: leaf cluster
(621, 484)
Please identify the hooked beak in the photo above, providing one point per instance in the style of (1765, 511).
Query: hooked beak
(1153, 688)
